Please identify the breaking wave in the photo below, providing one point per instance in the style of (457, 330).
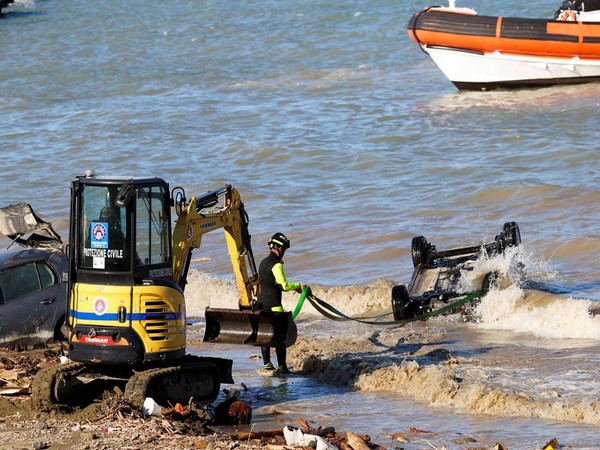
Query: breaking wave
(430, 374)
(542, 314)
(204, 290)
(511, 306)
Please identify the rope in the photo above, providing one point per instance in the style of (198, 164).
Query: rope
(414, 30)
(332, 313)
(305, 292)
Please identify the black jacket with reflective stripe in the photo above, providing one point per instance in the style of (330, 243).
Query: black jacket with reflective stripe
(270, 291)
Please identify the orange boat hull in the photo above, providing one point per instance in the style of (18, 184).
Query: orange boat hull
(538, 41)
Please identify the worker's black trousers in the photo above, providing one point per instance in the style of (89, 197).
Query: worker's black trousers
(279, 351)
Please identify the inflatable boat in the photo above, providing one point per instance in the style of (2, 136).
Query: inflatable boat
(477, 52)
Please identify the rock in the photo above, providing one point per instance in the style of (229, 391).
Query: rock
(204, 444)
(41, 426)
(88, 436)
(464, 440)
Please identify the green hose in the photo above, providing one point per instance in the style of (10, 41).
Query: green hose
(303, 295)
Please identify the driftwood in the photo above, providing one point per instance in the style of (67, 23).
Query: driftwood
(356, 442)
(245, 435)
(308, 429)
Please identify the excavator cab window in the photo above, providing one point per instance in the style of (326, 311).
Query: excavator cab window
(103, 230)
(152, 245)
(122, 230)
(106, 234)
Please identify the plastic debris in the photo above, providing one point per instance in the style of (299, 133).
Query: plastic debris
(295, 436)
(151, 408)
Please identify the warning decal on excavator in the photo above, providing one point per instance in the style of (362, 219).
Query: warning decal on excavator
(98, 263)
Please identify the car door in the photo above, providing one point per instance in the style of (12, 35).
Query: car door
(30, 295)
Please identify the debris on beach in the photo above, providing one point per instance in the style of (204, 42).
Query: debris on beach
(111, 422)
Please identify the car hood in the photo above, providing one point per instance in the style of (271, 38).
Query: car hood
(20, 224)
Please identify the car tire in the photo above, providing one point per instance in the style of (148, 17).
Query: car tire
(490, 281)
(59, 330)
(511, 235)
(400, 302)
(420, 251)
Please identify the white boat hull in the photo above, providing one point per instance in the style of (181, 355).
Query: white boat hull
(474, 70)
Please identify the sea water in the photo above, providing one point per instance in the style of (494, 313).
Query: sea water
(338, 131)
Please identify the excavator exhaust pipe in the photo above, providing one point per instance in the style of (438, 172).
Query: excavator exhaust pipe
(259, 328)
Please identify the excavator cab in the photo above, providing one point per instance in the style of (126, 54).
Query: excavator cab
(125, 307)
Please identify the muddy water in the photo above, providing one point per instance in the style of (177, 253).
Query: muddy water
(433, 378)
(520, 372)
(340, 132)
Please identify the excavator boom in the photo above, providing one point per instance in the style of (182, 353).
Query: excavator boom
(223, 208)
(226, 211)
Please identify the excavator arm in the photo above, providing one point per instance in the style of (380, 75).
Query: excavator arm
(221, 208)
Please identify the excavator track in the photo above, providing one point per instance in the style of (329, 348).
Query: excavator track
(192, 376)
(47, 387)
(195, 377)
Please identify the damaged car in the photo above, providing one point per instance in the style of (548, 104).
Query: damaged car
(33, 288)
(434, 287)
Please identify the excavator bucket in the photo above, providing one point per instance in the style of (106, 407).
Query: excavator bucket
(260, 328)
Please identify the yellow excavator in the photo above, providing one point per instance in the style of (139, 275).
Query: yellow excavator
(127, 273)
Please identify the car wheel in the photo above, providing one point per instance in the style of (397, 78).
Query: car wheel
(60, 330)
(420, 249)
(400, 302)
(511, 234)
(490, 280)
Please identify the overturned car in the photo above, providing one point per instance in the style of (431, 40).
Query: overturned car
(33, 292)
(434, 286)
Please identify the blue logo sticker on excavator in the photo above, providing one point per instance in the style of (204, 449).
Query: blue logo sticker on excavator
(99, 233)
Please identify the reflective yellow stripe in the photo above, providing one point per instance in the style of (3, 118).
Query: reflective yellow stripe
(277, 309)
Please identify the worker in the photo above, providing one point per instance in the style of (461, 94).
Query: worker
(272, 283)
(567, 11)
(116, 238)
